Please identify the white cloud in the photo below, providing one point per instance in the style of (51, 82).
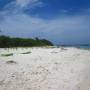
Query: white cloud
(18, 6)
(63, 11)
(31, 3)
(23, 2)
(67, 29)
(63, 28)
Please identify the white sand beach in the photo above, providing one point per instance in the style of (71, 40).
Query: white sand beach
(45, 69)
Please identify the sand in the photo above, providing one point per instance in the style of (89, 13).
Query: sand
(45, 69)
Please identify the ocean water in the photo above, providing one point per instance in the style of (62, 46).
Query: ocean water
(78, 46)
(83, 47)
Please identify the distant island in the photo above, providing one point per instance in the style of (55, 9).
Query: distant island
(6, 42)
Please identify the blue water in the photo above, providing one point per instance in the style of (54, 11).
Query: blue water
(78, 46)
(83, 47)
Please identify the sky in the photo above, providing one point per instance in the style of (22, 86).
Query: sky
(60, 21)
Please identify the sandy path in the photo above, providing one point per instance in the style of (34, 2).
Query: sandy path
(45, 69)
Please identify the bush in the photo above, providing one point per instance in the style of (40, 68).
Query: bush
(6, 42)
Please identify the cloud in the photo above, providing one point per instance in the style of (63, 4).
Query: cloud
(31, 3)
(23, 3)
(66, 29)
(19, 6)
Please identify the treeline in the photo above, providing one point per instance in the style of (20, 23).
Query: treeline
(6, 42)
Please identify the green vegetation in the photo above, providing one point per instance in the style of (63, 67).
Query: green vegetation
(6, 55)
(6, 42)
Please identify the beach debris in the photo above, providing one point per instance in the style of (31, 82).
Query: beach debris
(1, 82)
(54, 52)
(63, 48)
(6, 55)
(26, 53)
(11, 62)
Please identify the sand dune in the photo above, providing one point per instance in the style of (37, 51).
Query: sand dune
(44, 69)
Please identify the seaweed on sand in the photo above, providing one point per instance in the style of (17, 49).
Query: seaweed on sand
(26, 53)
(11, 62)
(6, 55)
